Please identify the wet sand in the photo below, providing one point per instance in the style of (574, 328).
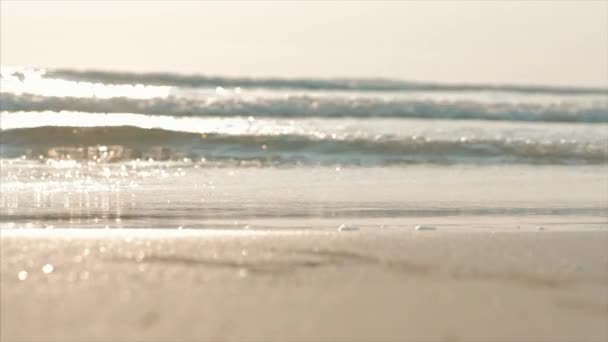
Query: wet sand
(303, 285)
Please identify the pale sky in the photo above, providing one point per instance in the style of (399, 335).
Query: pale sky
(546, 42)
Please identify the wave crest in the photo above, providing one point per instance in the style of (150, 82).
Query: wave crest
(195, 81)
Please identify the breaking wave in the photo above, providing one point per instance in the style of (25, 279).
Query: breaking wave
(130, 142)
(309, 106)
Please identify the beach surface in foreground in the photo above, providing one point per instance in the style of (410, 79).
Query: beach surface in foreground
(186, 285)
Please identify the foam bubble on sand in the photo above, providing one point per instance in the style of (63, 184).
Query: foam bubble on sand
(421, 227)
(347, 228)
(48, 268)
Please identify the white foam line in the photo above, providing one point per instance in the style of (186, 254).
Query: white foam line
(143, 233)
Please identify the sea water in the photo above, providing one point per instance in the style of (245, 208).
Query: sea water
(108, 149)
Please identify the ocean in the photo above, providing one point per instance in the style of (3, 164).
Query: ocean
(158, 150)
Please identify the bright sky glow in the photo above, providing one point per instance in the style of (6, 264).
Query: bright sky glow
(540, 42)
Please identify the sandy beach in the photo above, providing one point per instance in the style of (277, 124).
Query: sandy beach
(303, 285)
(514, 253)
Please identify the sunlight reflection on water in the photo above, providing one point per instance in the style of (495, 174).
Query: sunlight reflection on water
(32, 81)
